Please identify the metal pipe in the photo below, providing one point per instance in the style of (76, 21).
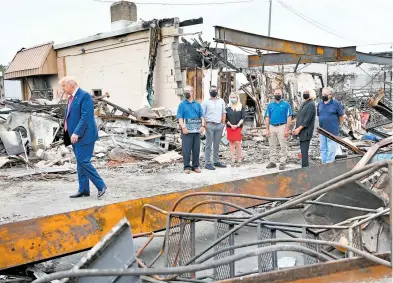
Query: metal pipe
(299, 240)
(177, 270)
(224, 194)
(195, 206)
(382, 212)
(152, 207)
(307, 196)
(343, 222)
(229, 217)
(267, 199)
(145, 245)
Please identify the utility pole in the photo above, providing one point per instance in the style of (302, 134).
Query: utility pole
(270, 16)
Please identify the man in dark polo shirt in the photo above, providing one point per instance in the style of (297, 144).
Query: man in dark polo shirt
(278, 120)
(331, 117)
(192, 125)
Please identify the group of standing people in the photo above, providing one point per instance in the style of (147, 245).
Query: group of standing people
(213, 116)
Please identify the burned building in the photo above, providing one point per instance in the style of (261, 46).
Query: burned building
(137, 62)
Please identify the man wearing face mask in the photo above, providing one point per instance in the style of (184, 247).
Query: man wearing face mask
(305, 121)
(278, 120)
(331, 117)
(190, 116)
(215, 116)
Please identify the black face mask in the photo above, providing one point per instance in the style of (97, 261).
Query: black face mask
(306, 95)
(325, 97)
(187, 95)
(213, 93)
(277, 97)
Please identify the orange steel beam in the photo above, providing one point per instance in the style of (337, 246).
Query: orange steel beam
(344, 54)
(260, 42)
(47, 237)
(274, 59)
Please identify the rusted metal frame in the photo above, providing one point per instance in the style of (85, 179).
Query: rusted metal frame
(300, 199)
(273, 59)
(51, 236)
(314, 271)
(339, 141)
(285, 230)
(256, 41)
(372, 151)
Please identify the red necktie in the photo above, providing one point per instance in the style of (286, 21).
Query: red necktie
(68, 111)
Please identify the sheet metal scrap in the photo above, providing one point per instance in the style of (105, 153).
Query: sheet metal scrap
(114, 251)
(339, 141)
(52, 236)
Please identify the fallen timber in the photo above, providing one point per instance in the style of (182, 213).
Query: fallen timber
(58, 235)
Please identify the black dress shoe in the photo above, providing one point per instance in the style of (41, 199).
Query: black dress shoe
(101, 193)
(79, 195)
(220, 165)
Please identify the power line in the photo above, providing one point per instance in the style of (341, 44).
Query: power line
(313, 22)
(185, 4)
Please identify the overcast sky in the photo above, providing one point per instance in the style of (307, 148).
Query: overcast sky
(26, 23)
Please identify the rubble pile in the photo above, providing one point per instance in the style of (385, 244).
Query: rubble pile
(32, 133)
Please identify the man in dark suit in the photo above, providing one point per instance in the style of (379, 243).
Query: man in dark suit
(305, 121)
(80, 130)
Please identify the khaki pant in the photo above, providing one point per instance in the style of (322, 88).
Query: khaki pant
(278, 133)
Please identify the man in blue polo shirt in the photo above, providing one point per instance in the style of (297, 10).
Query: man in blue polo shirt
(278, 120)
(192, 125)
(331, 117)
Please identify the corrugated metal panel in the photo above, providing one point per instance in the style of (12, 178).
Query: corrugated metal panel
(28, 62)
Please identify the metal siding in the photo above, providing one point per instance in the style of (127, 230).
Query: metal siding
(29, 62)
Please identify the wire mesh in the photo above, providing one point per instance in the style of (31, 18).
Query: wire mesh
(180, 242)
(309, 259)
(266, 261)
(224, 271)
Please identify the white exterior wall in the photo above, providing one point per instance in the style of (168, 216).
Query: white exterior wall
(120, 66)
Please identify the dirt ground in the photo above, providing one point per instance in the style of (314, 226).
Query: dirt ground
(25, 199)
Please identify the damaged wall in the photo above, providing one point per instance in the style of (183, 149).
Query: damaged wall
(119, 65)
(48, 86)
(2, 93)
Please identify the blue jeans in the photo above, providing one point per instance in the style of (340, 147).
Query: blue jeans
(86, 170)
(328, 149)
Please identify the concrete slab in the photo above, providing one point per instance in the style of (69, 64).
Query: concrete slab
(24, 199)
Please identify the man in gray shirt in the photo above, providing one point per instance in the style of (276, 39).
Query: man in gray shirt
(215, 115)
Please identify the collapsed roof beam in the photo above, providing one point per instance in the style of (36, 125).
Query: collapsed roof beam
(289, 59)
(256, 41)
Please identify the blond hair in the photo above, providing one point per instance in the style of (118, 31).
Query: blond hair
(68, 80)
(238, 106)
(312, 93)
